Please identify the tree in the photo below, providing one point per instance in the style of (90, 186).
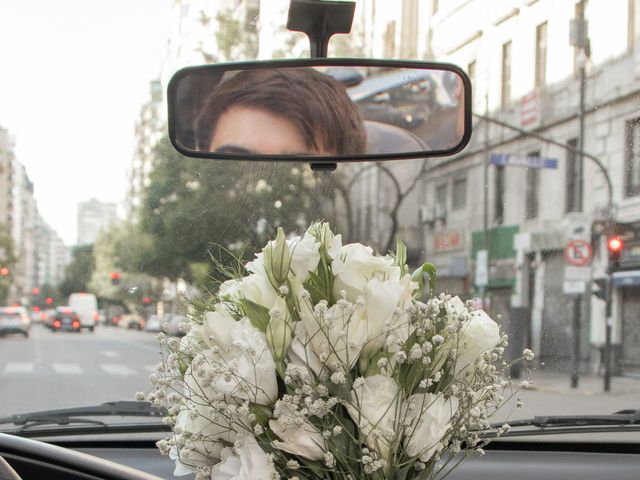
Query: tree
(78, 273)
(195, 209)
(7, 263)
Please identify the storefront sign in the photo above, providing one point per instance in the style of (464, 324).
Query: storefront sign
(448, 240)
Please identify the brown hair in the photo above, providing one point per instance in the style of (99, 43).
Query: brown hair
(316, 104)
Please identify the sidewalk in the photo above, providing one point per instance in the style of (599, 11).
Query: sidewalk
(588, 385)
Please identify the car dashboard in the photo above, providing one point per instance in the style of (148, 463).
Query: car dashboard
(523, 460)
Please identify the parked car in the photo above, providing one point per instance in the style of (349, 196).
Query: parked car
(65, 318)
(153, 324)
(131, 321)
(173, 321)
(14, 320)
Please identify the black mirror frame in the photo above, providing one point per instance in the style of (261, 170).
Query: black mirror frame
(314, 62)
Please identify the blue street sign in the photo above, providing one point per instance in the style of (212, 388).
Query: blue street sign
(506, 159)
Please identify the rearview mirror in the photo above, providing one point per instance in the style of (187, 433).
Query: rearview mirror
(320, 110)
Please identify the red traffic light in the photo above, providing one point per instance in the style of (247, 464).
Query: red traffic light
(615, 244)
(35, 291)
(49, 300)
(115, 275)
(4, 271)
(146, 300)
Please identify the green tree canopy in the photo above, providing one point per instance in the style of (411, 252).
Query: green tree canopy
(78, 273)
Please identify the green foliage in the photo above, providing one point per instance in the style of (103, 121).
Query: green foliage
(79, 271)
(197, 209)
(7, 259)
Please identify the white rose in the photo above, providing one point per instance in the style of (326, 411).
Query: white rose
(305, 441)
(243, 351)
(376, 405)
(382, 298)
(248, 462)
(257, 288)
(201, 452)
(355, 265)
(428, 422)
(300, 352)
(338, 335)
(304, 256)
(479, 334)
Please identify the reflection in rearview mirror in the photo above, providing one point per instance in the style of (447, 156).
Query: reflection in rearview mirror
(319, 109)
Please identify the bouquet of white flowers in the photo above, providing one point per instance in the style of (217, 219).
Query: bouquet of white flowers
(323, 363)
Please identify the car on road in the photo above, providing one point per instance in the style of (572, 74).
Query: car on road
(64, 319)
(131, 321)
(86, 306)
(153, 324)
(14, 320)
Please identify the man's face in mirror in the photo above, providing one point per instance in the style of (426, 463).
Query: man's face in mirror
(243, 129)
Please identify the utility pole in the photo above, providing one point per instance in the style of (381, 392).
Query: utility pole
(580, 40)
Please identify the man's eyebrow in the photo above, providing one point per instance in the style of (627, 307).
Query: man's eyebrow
(236, 149)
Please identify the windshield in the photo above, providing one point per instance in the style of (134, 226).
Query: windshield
(99, 213)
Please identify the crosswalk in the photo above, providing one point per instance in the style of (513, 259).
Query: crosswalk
(73, 368)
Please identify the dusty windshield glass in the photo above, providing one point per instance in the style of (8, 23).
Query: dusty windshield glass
(536, 221)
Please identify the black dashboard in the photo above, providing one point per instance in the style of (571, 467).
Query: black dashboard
(503, 460)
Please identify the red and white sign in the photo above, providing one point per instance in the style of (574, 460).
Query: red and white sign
(449, 240)
(529, 106)
(578, 253)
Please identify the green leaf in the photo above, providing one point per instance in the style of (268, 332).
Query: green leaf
(258, 315)
(401, 256)
(418, 276)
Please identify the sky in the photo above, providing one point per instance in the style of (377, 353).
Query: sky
(73, 76)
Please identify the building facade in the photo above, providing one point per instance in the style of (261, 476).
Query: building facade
(94, 217)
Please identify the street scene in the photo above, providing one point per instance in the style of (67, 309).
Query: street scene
(536, 221)
(52, 370)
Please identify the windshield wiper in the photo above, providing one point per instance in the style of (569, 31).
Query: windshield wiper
(628, 420)
(66, 416)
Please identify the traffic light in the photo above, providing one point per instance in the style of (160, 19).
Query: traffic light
(48, 300)
(115, 278)
(600, 288)
(615, 244)
(146, 300)
(4, 271)
(35, 291)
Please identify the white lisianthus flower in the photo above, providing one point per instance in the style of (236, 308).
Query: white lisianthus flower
(382, 299)
(304, 440)
(304, 256)
(242, 360)
(279, 330)
(193, 422)
(248, 462)
(336, 336)
(479, 334)
(230, 289)
(257, 288)
(427, 423)
(300, 352)
(355, 265)
(376, 406)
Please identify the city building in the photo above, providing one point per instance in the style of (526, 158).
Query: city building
(94, 217)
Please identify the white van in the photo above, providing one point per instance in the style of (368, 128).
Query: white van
(86, 306)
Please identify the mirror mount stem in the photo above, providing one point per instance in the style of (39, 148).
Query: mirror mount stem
(320, 20)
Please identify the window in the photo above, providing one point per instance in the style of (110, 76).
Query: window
(531, 194)
(441, 195)
(499, 198)
(459, 193)
(506, 74)
(471, 71)
(631, 24)
(573, 180)
(632, 158)
(541, 55)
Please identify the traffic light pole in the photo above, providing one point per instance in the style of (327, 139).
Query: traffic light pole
(607, 332)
